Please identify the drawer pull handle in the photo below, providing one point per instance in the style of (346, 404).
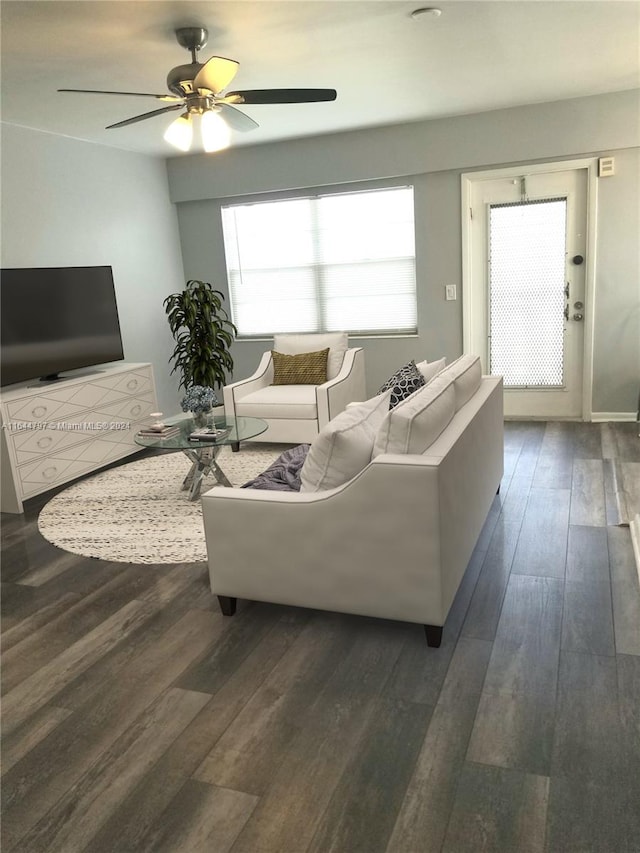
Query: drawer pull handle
(50, 472)
(132, 383)
(39, 411)
(136, 410)
(45, 441)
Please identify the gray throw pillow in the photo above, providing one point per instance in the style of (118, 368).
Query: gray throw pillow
(404, 382)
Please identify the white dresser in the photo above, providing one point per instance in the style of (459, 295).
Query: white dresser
(54, 432)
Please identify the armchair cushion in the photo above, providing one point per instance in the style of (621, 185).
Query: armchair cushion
(280, 401)
(307, 368)
(404, 382)
(338, 343)
(343, 447)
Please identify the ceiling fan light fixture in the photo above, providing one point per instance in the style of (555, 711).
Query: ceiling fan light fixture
(180, 132)
(214, 131)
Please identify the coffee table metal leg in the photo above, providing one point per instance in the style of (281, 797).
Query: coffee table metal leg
(188, 480)
(219, 474)
(198, 476)
(203, 463)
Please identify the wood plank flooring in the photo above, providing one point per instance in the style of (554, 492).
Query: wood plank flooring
(137, 718)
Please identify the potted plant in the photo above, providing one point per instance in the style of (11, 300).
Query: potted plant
(203, 334)
(199, 400)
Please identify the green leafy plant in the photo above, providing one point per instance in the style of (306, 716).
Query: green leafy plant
(203, 334)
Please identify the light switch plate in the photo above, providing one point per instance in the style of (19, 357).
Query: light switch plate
(450, 292)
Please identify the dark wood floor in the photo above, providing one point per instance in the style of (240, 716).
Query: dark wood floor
(137, 718)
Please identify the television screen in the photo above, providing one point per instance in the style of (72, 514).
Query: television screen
(56, 319)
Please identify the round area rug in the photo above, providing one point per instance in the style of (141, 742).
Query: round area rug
(137, 513)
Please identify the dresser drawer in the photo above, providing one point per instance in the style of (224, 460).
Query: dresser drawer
(29, 445)
(58, 468)
(58, 402)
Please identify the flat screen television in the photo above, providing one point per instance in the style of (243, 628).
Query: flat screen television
(56, 319)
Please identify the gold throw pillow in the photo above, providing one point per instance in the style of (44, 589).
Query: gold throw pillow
(306, 368)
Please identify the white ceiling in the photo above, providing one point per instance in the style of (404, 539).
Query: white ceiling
(386, 66)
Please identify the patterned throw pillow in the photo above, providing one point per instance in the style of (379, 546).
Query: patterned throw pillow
(306, 368)
(404, 382)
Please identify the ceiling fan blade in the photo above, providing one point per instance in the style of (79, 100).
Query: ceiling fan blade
(216, 74)
(236, 119)
(282, 96)
(135, 94)
(145, 116)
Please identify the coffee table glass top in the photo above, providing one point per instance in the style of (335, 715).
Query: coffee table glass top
(233, 430)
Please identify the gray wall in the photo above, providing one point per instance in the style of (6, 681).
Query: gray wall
(432, 155)
(72, 203)
(616, 374)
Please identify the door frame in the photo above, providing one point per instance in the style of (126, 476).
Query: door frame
(470, 308)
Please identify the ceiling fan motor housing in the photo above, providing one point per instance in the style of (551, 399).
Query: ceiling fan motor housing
(180, 78)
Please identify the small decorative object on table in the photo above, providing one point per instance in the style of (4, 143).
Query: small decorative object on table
(199, 400)
(209, 433)
(158, 428)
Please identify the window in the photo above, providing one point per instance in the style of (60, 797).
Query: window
(323, 263)
(527, 244)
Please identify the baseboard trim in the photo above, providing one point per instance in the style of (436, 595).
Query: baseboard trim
(601, 417)
(596, 417)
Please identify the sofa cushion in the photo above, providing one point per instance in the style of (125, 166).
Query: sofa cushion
(415, 423)
(337, 342)
(306, 368)
(404, 382)
(429, 369)
(466, 374)
(297, 402)
(343, 447)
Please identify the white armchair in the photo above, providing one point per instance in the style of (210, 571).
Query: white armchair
(297, 413)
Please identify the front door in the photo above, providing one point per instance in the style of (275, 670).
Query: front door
(528, 258)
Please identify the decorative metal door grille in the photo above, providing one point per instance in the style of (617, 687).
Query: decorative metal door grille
(527, 253)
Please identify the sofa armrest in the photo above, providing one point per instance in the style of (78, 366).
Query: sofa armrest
(333, 396)
(262, 377)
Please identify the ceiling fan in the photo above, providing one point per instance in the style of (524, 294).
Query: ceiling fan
(197, 89)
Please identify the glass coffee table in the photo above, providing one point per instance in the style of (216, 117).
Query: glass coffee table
(203, 452)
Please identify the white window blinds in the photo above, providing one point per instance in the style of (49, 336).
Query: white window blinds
(323, 263)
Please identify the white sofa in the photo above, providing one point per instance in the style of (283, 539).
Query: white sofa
(297, 413)
(393, 541)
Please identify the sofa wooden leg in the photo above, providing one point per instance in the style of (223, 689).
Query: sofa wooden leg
(235, 447)
(434, 635)
(227, 604)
